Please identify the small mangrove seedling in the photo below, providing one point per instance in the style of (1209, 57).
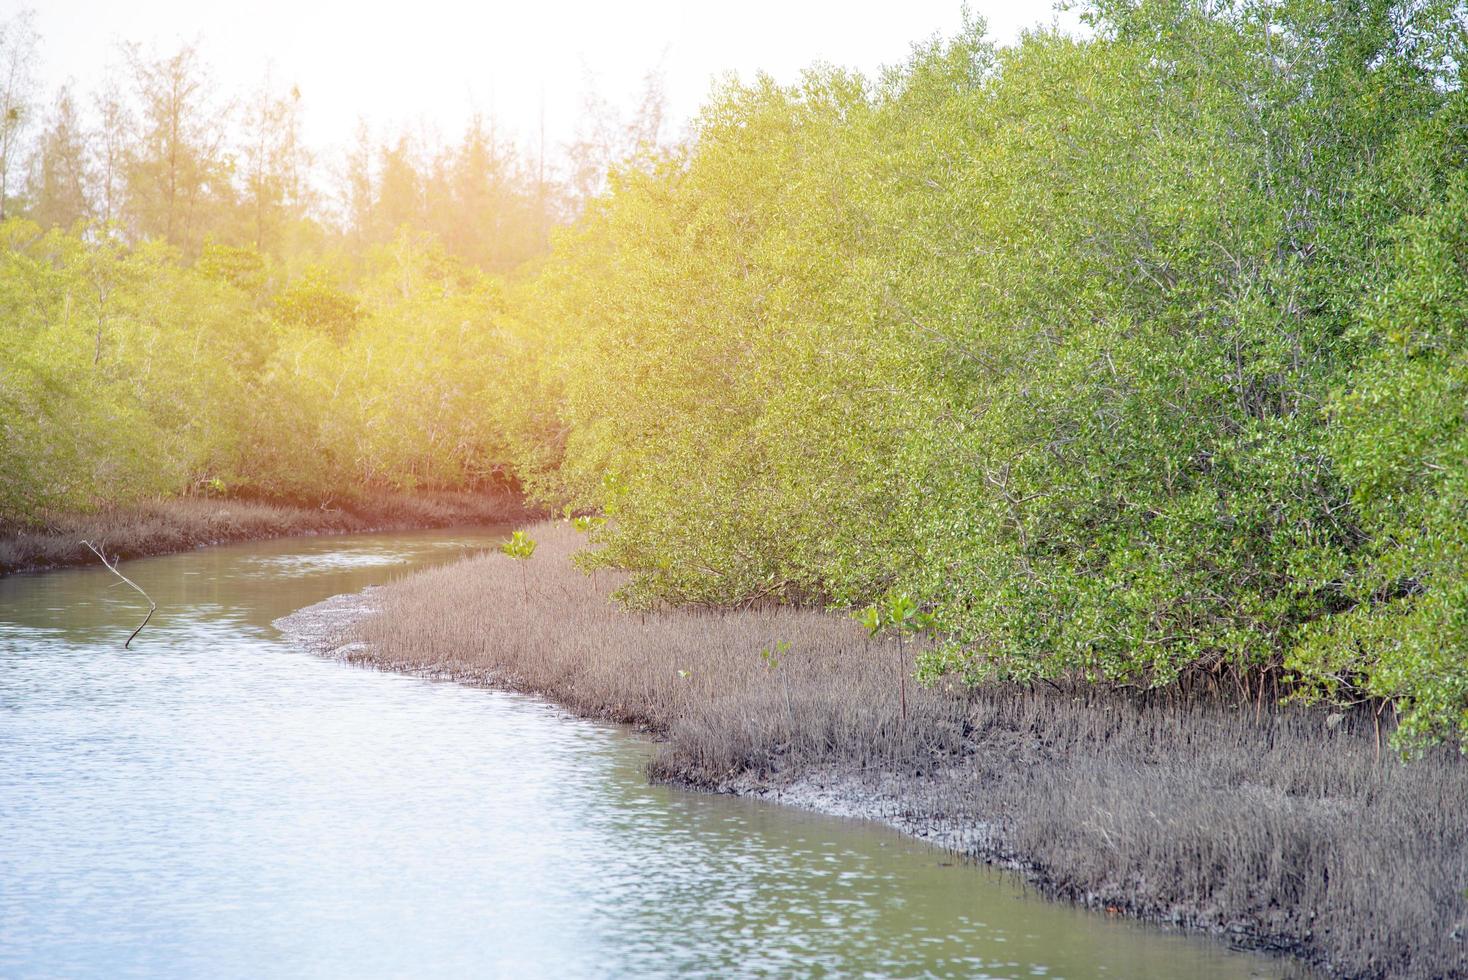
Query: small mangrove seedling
(586, 524)
(772, 657)
(520, 547)
(900, 613)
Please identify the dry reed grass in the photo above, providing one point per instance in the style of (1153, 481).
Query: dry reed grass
(179, 524)
(1285, 830)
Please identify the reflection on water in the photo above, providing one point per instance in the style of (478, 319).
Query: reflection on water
(212, 802)
(297, 565)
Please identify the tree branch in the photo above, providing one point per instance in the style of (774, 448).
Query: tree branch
(112, 567)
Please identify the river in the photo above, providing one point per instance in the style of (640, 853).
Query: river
(214, 802)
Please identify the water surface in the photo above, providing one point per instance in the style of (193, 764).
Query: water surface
(214, 803)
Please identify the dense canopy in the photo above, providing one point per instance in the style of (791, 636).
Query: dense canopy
(1140, 356)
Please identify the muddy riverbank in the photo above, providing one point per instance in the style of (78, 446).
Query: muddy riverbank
(1283, 830)
(171, 525)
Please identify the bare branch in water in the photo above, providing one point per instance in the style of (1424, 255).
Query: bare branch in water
(112, 567)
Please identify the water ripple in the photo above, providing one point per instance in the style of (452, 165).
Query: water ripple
(213, 803)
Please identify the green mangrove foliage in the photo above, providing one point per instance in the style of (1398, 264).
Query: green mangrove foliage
(389, 386)
(1138, 357)
(123, 372)
(129, 372)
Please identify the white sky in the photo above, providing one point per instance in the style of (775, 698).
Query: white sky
(432, 62)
